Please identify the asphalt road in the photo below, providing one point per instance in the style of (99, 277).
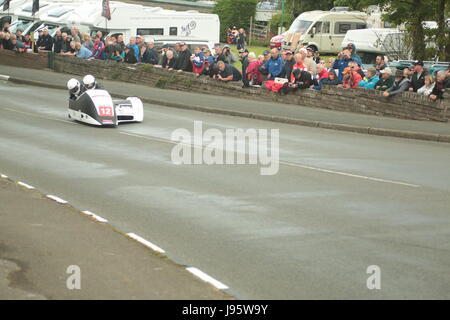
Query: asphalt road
(340, 202)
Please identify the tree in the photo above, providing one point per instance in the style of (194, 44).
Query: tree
(235, 13)
(276, 21)
(296, 7)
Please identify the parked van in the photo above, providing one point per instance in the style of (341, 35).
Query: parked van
(375, 41)
(323, 30)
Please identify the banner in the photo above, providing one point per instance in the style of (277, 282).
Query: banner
(106, 12)
(35, 7)
(6, 5)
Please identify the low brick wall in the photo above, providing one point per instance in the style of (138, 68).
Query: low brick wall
(405, 106)
(24, 60)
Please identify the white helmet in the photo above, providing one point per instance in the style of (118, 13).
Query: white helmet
(89, 81)
(74, 86)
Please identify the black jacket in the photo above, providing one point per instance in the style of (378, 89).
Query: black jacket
(184, 61)
(46, 42)
(418, 82)
(287, 69)
(57, 44)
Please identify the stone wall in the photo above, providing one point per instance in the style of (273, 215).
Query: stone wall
(25, 60)
(405, 106)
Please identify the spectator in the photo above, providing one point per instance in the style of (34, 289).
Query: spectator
(289, 63)
(316, 57)
(254, 76)
(227, 72)
(209, 62)
(87, 42)
(46, 41)
(401, 84)
(7, 43)
(183, 62)
(75, 34)
(321, 72)
(229, 57)
(120, 42)
(380, 64)
(418, 77)
(98, 49)
(241, 39)
(353, 54)
(19, 35)
(169, 60)
(274, 65)
(17, 45)
(370, 81)
(218, 54)
(148, 55)
(332, 80)
(100, 35)
(244, 64)
(427, 87)
(57, 41)
(351, 76)
(386, 80)
(130, 55)
(119, 54)
(27, 41)
(309, 60)
(198, 61)
(266, 55)
(110, 48)
(140, 42)
(439, 87)
(2, 37)
(299, 64)
(134, 48)
(65, 44)
(344, 58)
(302, 79)
(82, 52)
(71, 51)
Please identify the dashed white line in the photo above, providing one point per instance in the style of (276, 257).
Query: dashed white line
(4, 77)
(3, 176)
(200, 274)
(23, 184)
(145, 242)
(94, 216)
(57, 199)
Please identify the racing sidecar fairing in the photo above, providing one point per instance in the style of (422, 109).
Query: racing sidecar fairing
(96, 107)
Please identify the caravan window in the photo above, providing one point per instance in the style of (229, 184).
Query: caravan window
(326, 27)
(342, 27)
(318, 26)
(150, 32)
(361, 26)
(173, 31)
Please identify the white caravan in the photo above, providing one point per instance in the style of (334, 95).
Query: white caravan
(131, 20)
(323, 30)
(371, 42)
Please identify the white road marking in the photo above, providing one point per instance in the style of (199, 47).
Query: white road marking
(3, 176)
(145, 242)
(38, 116)
(4, 77)
(23, 184)
(57, 199)
(292, 164)
(200, 274)
(93, 215)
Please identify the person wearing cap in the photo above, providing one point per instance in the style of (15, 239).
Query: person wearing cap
(301, 79)
(46, 41)
(344, 58)
(288, 65)
(244, 63)
(229, 57)
(401, 84)
(351, 76)
(353, 54)
(183, 62)
(140, 42)
(308, 54)
(386, 80)
(418, 77)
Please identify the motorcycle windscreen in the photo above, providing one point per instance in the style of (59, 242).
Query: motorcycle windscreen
(103, 106)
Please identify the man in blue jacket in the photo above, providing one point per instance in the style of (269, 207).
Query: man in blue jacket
(342, 63)
(274, 65)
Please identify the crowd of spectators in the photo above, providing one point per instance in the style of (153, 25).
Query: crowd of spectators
(282, 71)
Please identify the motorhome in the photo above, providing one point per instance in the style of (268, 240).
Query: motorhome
(323, 30)
(375, 41)
(131, 20)
(6, 16)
